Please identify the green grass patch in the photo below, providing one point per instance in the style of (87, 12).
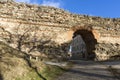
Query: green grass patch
(51, 72)
(31, 75)
(14, 66)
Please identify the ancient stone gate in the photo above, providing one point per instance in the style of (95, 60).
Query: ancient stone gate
(101, 35)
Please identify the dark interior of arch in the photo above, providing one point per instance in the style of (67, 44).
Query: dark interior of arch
(90, 41)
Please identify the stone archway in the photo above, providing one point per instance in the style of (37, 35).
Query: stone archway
(78, 48)
(88, 37)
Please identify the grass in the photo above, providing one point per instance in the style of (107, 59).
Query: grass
(51, 72)
(47, 73)
(31, 75)
(14, 66)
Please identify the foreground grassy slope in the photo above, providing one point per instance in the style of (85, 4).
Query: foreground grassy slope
(14, 65)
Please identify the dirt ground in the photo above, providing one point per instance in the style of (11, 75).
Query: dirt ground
(90, 70)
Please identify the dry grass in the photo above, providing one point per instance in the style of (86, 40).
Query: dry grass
(11, 68)
(14, 66)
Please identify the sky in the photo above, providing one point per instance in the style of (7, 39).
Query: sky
(102, 8)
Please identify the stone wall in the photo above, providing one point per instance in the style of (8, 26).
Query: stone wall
(107, 51)
(56, 25)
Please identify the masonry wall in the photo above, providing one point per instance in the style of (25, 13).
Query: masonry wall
(56, 24)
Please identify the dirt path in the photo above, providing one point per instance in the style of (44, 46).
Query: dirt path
(87, 70)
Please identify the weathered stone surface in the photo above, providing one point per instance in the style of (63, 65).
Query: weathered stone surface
(56, 25)
(4, 1)
(107, 51)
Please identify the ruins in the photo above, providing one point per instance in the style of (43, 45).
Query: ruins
(101, 35)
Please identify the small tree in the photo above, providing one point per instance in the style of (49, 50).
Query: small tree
(19, 36)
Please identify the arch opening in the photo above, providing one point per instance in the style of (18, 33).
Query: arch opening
(85, 44)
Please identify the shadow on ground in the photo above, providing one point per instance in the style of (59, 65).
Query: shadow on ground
(87, 74)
